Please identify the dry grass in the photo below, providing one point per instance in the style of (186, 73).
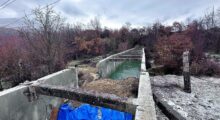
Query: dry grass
(124, 88)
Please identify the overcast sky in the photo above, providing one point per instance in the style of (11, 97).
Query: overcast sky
(115, 13)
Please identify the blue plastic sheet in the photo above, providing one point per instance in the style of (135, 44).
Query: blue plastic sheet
(109, 114)
(88, 112)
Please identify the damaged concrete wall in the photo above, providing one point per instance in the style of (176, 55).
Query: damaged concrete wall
(15, 105)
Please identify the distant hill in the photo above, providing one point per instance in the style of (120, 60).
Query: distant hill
(10, 22)
(7, 34)
(4, 32)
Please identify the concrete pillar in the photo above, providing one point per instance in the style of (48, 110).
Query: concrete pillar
(77, 79)
(186, 72)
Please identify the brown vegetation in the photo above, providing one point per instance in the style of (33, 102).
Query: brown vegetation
(170, 49)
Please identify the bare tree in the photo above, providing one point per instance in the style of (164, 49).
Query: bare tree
(96, 25)
(128, 25)
(210, 19)
(43, 35)
(177, 27)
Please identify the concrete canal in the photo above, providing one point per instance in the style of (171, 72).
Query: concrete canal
(126, 69)
(27, 101)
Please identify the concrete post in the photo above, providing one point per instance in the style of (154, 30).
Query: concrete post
(186, 73)
(77, 79)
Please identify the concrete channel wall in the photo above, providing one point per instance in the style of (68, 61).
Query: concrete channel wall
(106, 67)
(14, 105)
(145, 104)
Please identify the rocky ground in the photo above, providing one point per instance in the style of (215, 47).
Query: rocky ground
(202, 104)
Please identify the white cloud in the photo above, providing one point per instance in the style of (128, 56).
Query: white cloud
(114, 13)
(9, 13)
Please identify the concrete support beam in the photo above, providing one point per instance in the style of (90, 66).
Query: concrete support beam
(112, 56)
(123, 59)
(129, 56)
(134, 53)
(88, 96)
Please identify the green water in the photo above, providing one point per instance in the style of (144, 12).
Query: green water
(126, 69)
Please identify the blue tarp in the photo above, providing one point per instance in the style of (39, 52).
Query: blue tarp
(88, 112)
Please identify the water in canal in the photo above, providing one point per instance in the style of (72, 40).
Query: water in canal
(126, 69)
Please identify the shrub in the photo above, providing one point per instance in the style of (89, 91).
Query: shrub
(93, 47)
(170, 49)
(9, 57)
(205, 67)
